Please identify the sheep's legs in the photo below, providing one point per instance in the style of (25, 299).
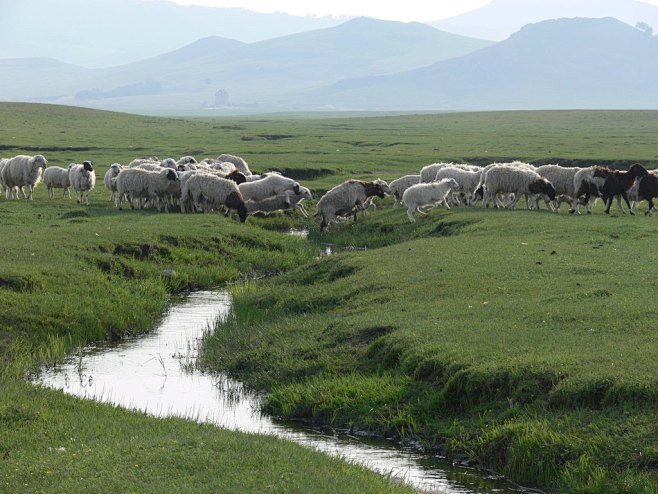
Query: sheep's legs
(411, 216)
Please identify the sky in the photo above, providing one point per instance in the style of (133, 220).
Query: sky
(406, 11)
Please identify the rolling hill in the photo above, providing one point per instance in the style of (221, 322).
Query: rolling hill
(565, 63)
(500, 18)
(103, 33)
(254, 74)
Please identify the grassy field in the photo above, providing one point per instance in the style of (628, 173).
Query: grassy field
(524, 340)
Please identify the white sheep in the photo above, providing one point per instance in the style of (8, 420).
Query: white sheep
(347, 198)
(428, 173)
(562, 179)
(224, 166)
(109, 179)
(145, 159)
(83, 179)
(3, 188)
(211, 192)
(169, 163)
(517, 180)
(239, 162)
(269, 186)
(398, 186)
(186, 161)
(22, 171)
(467, 178)
(56, 177)
(280, 202)
(428, 193)
(135, 183)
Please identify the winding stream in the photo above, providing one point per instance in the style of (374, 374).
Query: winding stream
(148, 373)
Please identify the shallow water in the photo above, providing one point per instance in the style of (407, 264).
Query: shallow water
(150, 373)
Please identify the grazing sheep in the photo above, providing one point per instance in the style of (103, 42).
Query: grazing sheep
(401, 184)
(212, 192)
(56, 177)
(239, 162)
(269, 186)
(468, 181)
(562, 179)
(598, 181)
(281, 202)
(518, 180)
(347, 197)
(82, 179)
(135, 183)
(22, 171)
(428, 193)
(110, 182)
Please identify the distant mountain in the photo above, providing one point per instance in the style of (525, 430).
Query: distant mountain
(103, 33)
(500, 18)
(251, 74)
(566, 63)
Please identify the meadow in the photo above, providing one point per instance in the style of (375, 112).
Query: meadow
(525, 341)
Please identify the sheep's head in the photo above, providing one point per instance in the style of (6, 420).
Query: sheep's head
(234, 201)
(171, 175)
(384, 186)
(242, 212)
(237, 176)
(305, 193)
(637, 170)
(296, 188)
(40, 161)
(88, 166)
(452, 183)
(168, 163)
(544, 187)
(186, 160)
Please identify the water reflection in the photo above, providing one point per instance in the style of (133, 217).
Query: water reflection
(152, 373)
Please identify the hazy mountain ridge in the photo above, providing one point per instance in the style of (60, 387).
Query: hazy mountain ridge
(255, 73)
(565, 63)
(500, 18)
(131, 30)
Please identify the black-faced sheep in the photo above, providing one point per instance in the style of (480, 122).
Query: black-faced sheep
(428, 193)
(211, 192)
(562, 179)
(83, 179)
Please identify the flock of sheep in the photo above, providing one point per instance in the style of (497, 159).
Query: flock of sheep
(228, 183)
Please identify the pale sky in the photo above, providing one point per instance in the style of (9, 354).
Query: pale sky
(404, 11)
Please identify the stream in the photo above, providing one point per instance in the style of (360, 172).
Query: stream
(154, 373)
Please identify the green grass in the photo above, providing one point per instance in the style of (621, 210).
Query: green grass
(523, 340)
